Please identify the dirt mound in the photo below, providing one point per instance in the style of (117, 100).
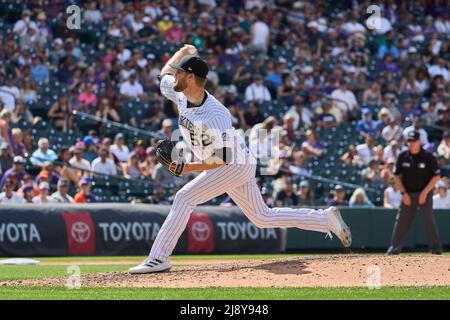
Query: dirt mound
(320, 271)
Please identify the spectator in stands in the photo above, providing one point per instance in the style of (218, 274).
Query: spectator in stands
(166, 129)
(132, 88)
(285, 91)
(43, 153)
(106, 112)
(253, 115)
(22, 26)
(298, 166)
(91, 13)
(17, 170)
(313, 147)
(78, 161)
(22, 113)
(17, 142)
(85, 195)
(387, 170)
(305, 194)
(48, 174)
(359, 199)
(441, 200)
(61, 196)
(5, 128)
(351, 157)
(39, 72)
(289, 130)
(61, 114)
(8, 196)
(120, 149)
(326, 119)
(257, 91)
(131, 169)
(372, 172)
(43, 196)
(443, 149)
(9, 93)
(439, 68)
(444, 118)
(28, 91)
(345, 100)
(287, 196)
(392, 131)
(6, 159)
(259, 35)
(27, 193)
(366, 126)
(103, 164)
(366, 151)
(159, 197)
(118, 31)
(148, 166)
(372, 95)
(164, 24)
(393, 149)
(175, 34)
(302, 115)
(417, 126)
(148, 32)
(338, 197)
(90, 149)
(88, 99)
(384, 117)
(388, 103)
(392, 196)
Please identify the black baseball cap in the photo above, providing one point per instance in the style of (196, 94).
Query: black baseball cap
(413, 136)
(192, 64)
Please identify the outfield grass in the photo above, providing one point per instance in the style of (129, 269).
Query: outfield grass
(62, 293)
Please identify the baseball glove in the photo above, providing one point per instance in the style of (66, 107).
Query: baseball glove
(168, 157)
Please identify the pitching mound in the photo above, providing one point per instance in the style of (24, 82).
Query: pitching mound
(320, 271)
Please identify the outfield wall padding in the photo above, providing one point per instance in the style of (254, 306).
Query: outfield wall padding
(125, 229)
(371, 229)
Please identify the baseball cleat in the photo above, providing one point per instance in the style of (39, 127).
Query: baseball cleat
(151, 266)
(338, 226)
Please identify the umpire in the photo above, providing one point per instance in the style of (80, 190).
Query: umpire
(416, 173)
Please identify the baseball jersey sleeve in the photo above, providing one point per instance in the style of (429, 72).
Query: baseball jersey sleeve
(166, 87)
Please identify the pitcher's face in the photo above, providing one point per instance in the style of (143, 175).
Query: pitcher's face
(180, 81)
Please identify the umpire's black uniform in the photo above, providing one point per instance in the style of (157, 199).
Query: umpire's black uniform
(415, 172)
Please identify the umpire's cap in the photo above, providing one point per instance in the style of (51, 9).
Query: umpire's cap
(192, 64)
(413, 136)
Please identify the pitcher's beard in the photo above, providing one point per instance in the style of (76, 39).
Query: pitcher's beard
(179, 87)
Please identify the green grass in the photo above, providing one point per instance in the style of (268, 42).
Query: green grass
(61, 293)
(39, 272)
(175, 257)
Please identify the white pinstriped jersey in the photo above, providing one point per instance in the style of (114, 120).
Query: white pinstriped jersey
(205, 128)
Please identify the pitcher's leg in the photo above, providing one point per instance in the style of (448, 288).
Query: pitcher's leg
(248, 198)
(206, 186)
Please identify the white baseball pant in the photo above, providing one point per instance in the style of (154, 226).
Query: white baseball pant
(239, 182)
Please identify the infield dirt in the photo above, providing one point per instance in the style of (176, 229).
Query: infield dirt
(314, 271)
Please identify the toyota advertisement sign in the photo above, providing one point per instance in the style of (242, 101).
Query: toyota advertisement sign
(120, 229)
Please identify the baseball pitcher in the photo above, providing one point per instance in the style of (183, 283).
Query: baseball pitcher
(225, 163)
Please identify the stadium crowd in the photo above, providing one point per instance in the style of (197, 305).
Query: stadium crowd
(318, 66)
